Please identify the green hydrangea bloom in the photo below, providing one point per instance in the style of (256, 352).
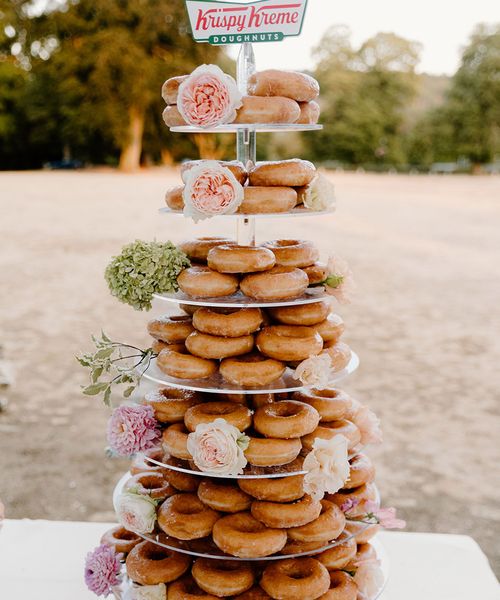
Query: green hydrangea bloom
(143, 269)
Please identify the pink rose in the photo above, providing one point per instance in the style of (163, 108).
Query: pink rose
(369, 578)
(218, 448)
(210, 190)
(327, 467)
(315, 371)
(133, 428)
(208, 97)
(369, 426)
(386, 517)
(136, 512)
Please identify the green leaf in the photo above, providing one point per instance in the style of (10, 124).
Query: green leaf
(104, 353)
(107, 396)
(94, 389)
(127, 393)
(96, 373)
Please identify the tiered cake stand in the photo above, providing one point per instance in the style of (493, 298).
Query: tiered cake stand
(246, 153)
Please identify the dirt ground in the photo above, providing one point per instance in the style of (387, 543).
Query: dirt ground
(426, 324)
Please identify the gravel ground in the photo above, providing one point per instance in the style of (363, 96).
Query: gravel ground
(425, 250)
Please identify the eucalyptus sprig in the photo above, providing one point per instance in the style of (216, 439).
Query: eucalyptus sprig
(114, 363)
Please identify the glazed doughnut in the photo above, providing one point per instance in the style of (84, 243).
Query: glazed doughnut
(198, 249)
(309, 113)
(120, 539)
(185, 366)
(187, 589)
(237, 323)
(272, 452)
(140, 464)
(279, 489)
(154, 485)
(202, 282)
(170, 89)
(261, 110)
(326, 527)
(361, 471)
(362, 494)
(289, 173)
(280, 283)
(183, 482)
(293, 253)
(174, 199)
(285, 515)
(295, 579)
(290, 84)
(236, 167)
(174, 440)
(294, 547)
(240, 259)
(149, 564)
(185, 517)
(258, 400)
(286, 419)
(173, 118)
(157, 346)
(218, 347)
(222, 577)
(303, 314)
(235, 414)
(170, 404)
(260, 199)
(243, 536)
(171, 330)
(362, 532)
(289, 342)
(255, 593)
(339, 353)
(331, 404)
(340, 555)
(331, 328)
(263, 370)
(236, 398)
(365, 552)
(224, 496)
(342, 587)
(317, 273)
(328, 430)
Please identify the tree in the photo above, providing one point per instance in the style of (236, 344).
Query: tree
(106, 65)
(363, 94)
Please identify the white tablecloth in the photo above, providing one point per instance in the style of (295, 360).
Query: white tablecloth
(43, 560)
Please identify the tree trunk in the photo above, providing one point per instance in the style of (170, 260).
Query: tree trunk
(130, 157)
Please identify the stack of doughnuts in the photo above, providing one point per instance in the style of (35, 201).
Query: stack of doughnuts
(269, 187)
(274, 96)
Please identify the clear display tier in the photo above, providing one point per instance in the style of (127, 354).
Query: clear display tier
(296, 212)
(217, 385)
(247, 127)
(239, 300)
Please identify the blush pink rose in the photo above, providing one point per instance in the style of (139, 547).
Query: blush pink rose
(340, 281)
(315, 371)
(208, 97)
(369, 426)
(210, 190)
(369, 578)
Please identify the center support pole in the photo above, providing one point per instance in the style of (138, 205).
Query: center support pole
(246, 150)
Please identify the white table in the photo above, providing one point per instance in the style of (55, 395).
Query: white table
(43, 560)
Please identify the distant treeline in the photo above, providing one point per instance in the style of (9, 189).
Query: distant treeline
(81, 81)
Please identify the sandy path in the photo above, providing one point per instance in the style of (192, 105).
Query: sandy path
(425, 251)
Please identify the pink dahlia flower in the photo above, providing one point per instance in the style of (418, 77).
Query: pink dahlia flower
(133, 428)
(102, 570)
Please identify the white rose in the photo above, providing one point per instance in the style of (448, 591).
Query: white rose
(327, 467)
(369, 578)
(315, 371)
(218, 448)
(319, 194)
(136, 512)
(149, 592)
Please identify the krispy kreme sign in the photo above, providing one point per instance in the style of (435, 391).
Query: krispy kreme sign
(237, 22)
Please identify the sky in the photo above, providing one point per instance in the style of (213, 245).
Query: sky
(442, 26)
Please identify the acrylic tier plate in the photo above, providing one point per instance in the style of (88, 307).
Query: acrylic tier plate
(217, 385)
(205, 547)
(247, 127)
(296, 212)
(239, 300)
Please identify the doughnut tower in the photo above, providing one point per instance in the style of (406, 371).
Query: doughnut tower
(255, 535)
